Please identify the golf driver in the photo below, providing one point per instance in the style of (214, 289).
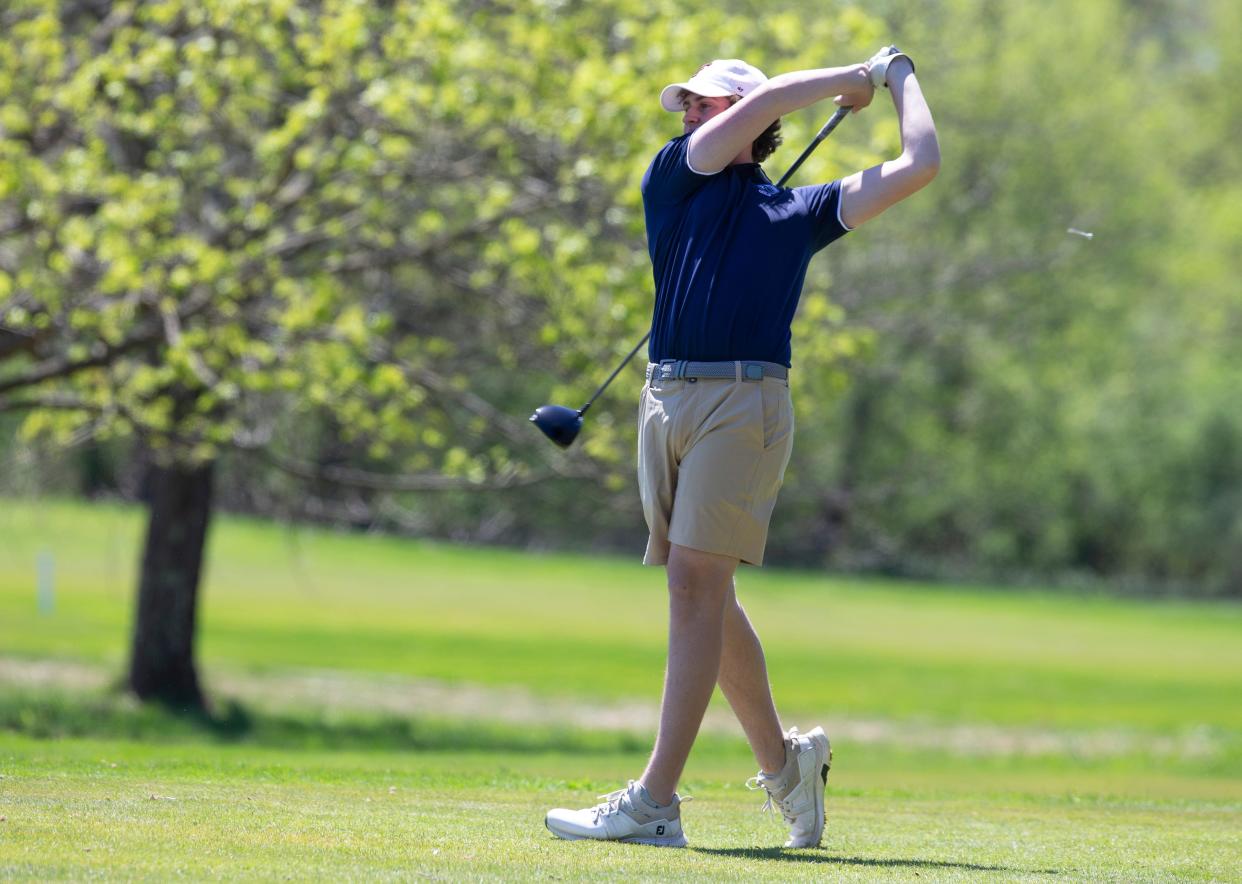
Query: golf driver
(562, 424)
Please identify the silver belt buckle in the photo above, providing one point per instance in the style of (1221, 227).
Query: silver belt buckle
(668, 369)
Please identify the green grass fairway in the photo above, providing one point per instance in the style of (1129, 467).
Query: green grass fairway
(86, 808)
(396, 709)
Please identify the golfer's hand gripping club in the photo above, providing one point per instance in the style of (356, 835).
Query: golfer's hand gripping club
(562, 424)
(877, 65)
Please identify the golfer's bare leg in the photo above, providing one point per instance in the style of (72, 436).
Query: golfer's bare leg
(699, 585)
(744, 682)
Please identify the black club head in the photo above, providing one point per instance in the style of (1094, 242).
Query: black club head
(558, 423)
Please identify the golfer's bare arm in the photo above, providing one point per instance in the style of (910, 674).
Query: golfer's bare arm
(868, 193)
(716, 143)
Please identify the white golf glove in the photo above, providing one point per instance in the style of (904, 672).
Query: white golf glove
(877, 65)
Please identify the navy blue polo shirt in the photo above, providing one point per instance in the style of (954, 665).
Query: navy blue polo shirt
(729, 253)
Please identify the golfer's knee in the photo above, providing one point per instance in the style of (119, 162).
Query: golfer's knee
(696, 577)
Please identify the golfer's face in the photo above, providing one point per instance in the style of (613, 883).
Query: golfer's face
(697, 110)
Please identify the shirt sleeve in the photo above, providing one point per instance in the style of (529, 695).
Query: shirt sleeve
(823, 202)
(669, 178)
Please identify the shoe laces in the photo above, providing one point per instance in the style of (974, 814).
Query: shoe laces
(611, 803)
(760, 782)
(786, 808)
(754, 784)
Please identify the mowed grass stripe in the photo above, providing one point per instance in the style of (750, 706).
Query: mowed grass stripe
(361, 580)
(278, 597)
(845, 684)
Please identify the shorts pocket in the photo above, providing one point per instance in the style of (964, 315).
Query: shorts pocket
(777, 415)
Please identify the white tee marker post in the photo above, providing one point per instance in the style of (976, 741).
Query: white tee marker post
(47, 579)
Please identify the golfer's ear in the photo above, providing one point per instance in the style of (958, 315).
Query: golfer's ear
(867, 193)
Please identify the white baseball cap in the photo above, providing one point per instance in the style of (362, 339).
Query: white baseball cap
(716, 79)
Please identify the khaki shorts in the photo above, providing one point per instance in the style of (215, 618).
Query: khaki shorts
(711, 457)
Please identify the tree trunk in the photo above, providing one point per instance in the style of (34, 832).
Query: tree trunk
(162, 656)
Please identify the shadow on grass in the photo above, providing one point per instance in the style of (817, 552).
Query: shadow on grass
(114, 715)
(782, 854)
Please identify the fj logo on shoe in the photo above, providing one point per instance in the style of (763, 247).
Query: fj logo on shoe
(659, 830)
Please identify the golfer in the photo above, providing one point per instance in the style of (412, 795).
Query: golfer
(729, 252)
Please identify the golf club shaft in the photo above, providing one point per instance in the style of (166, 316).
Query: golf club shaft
(823, 133)
(604, 385)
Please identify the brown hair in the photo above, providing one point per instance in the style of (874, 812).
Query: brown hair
(767, 142)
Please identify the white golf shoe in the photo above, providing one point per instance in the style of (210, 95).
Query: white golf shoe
(628, 815)
(798, 790)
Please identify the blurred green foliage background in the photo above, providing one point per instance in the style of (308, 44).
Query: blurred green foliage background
(342, 249)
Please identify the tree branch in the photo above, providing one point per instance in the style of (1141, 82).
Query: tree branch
(54, 401)
(394, 256)
(13, 341)
(51, 369)
(296, 243)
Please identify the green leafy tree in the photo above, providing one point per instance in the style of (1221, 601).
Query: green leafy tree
(217, 216)
(225, 224)
(1035, 399)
